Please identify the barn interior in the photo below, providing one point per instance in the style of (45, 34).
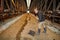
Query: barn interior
(17, 24)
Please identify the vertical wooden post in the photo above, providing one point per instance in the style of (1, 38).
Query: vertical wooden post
(58, 6)
(54, 8)
(54, 5)
(11, 6)
(2, 5)
(49, 5)
(45, 4)
(41, 4)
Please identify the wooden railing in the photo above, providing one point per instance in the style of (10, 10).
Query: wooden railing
(54, 17)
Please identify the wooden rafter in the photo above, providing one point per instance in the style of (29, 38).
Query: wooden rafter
(42, 2)
(58, 6)
(54, 5)
(13, 2)
(44, 8)
(49, 4)
(7, 4)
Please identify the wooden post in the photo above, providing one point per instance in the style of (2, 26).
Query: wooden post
(58, 6)
(2, 5)
(44, 8)
(11, 6)
(42, 2)
(54, 8)
(49, 5)
(54, 5)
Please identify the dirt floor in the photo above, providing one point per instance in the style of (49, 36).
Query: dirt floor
(20, 29)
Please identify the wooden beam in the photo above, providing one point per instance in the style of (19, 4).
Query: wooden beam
(42, 2)
(13, 2)
(11, 5)
(7, 4)
(44, 8)
(58, 6)
(49, 4)
(2, 3)
(54, 5)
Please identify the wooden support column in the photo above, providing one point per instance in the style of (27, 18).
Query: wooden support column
(54, 5)
(54, 9)
(2, 5)
(49, 5)
(39, 4)
(11, 6)
(58, 6)
(42, 2)
(15, 4)
(44, 8)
